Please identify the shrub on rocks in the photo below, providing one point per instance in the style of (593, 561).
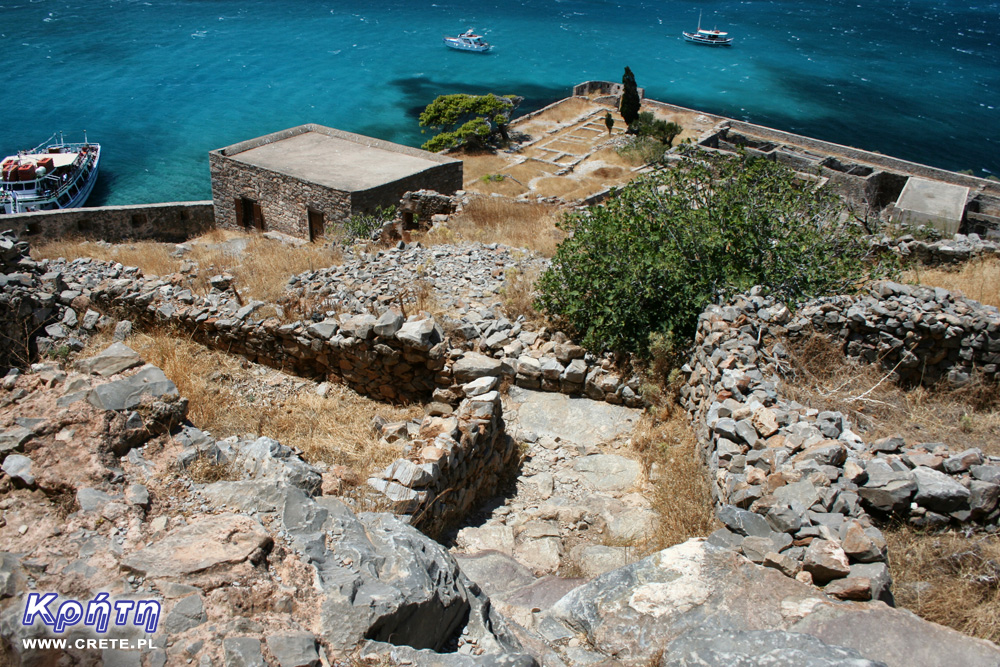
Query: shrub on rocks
(652, 257)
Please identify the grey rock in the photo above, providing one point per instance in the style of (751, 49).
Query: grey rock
(294, 649)
(92, 500)
(937, 491)
(579, 420)
(825, 561)
(19, 467)
(634, 613)
(127, 393)
(983, 497)
(189, 612)
(743, 522)
(122, 330)
(608, 472)
(114, 359)
(471, 366)
(13, 439)
(758, 648)
(421, 334)
(243, 652)
(893, 497)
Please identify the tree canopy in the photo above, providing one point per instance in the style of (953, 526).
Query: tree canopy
(651, 258)
(471, 120)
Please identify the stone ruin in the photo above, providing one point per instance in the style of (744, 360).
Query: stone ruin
(797, 490)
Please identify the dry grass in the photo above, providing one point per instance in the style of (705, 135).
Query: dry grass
(228, 397)
(979, 280)
(475, 165)
(518, 294)
(681, 494)
(261, 269)
(948, 578)
(499, 220)
(822, 378)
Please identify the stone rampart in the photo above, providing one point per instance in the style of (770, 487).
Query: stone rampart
(171, 222)
(797, 488)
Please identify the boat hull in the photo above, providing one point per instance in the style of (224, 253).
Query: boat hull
(451, 43)
(695, 39)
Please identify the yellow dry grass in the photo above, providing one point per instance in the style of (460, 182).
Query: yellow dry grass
(261, 269)
(948, 578)
(681, 496)
(822, 378)
(527, 225)
(479, 164)
(226, 397)
(979, 280)
(518, 294)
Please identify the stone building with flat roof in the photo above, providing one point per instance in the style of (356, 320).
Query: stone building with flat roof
(300, 180)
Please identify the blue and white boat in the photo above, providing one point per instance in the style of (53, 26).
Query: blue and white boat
(52, 176)
(468, 41)
(708, 37)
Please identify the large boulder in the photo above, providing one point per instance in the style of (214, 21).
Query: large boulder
(697, 604)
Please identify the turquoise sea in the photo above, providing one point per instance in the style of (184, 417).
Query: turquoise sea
(160, 83)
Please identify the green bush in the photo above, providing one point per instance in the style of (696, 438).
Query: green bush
(648, 125)
(363, 225)
(653, 256)
(643, 150)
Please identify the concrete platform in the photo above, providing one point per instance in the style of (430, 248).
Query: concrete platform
(924, 202)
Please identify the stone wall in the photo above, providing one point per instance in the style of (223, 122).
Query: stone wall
(171, 222)
(920, 334)
(955, 251)
(284, 201)
(451, 462)
(797, 488)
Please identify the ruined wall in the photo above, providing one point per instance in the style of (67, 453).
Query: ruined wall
(452, 463)
(795, 487)
(882, 161)
(171, 222)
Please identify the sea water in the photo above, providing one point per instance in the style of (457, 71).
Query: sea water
(161, 83)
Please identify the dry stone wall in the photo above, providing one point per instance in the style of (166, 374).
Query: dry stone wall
(171, 222)
(797, 488)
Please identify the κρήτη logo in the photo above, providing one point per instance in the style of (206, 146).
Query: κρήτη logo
(98, 614)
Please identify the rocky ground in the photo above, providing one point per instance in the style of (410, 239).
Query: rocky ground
(108, 490)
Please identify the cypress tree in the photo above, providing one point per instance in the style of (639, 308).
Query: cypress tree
(630, 98)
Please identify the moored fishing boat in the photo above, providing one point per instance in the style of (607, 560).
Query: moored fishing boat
(53, 175)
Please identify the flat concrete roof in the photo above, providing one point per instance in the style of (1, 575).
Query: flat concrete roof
(933, 199)
(340, 160)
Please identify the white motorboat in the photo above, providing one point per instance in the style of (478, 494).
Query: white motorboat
(468, 41)
(708, 37)
(51, 176)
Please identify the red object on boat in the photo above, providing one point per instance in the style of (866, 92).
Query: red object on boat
(26, 172)
(48, 163)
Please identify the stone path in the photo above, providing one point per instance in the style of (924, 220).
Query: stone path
(577, 509)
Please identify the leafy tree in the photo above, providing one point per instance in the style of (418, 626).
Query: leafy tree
(648, 125)
(609, 122)
(630, 103)
(648, 261)
(468, 119)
